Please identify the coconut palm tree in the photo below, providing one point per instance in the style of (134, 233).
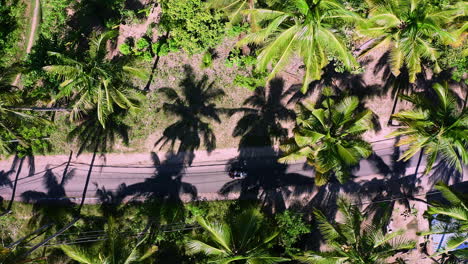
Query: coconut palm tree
(329, 136)
(354, 241)
(92, 135)
(116, 249)
(438, 125)
(10, 119)
(304, 28)
(194, 109)
(95, 82)
(244, 239)
(409, 30)
(233, 8)
(452, 219)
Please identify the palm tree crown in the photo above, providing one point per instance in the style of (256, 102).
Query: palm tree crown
(354, 242)
(452, 219)
(408, 29)
(244, 240)
(330, 137)
(438, 125)
(10, 119)
(95, 81)
(117, 249)
(304, 28)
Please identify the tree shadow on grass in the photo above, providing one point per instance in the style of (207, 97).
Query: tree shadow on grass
(260, 126)
(194, 108)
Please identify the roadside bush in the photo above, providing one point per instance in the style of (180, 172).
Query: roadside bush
(193, 27)
(291, 227)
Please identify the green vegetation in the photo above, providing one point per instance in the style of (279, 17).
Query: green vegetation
(11, 29)
(436, 126)
(243, 239)
(329, 135)
(353, 241)
(188, 75)
(193, 27)
(452, 219)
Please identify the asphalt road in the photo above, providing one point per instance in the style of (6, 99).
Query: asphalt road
(201, 179)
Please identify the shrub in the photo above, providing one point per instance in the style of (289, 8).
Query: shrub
(207, 60)
(125, 49)
(193, 27)
(164, 47)
(291, 227)
(257, 79)
(142, 44)
(235, 58)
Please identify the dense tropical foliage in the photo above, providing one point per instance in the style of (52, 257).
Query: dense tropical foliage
(303, 28)
(355, 241)
(437, 125)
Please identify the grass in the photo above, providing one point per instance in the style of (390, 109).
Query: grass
(149, 124)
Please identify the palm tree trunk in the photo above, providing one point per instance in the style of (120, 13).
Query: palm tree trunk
(155, 65)
(466, 98)
(66, 168)
(39, 109)
(395, 101)
(419, 163)
(88, 177)
(10, 204)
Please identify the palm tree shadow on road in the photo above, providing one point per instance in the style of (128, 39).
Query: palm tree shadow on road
(383, 192)
(165, 186)
(52, 206)
(259, 129)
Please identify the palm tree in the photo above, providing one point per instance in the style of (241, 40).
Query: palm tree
(95, 136)
(193, 108)
(438, 125)
(354, 241)
(233, 8)
(245, 239)
(304, 28)
(452, 219)
(10, 119)
(329, 136)
(409, 30)
(95, 82)
(116, 249)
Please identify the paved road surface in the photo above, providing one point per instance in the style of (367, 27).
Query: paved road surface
(206, 176)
